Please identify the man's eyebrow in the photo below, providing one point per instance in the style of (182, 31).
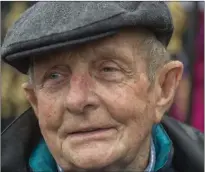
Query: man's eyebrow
(111, 52)
(55, 57)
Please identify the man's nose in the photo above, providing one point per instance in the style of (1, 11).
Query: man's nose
(81, 97)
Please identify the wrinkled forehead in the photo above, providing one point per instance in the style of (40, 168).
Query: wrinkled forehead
(121, 44)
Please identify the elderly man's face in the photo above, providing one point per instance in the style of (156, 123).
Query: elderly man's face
(94, 104)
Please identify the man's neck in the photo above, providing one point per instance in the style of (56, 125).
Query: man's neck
(142, 158)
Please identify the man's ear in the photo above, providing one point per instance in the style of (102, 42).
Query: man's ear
(30, 95)
(167, 81)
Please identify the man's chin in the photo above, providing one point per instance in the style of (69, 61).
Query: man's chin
(92, 158)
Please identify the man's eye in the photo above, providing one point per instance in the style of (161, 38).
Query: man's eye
(110, 73)
(109, 69)
(54, 76)
(54, 79)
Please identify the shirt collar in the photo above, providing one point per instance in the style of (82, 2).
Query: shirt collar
(152, 158)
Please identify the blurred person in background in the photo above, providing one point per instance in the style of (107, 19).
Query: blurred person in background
(100, 82)
(13, 101)
(180, 12)
(197, 118)
(179, 108)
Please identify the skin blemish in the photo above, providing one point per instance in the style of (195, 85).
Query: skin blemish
(79, 80)
(82, 81)
(74, 78)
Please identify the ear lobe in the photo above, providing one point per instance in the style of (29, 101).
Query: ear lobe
(168, 81)
(30, 95)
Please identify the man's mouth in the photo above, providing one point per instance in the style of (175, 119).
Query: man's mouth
(90, 130)
(92, 133)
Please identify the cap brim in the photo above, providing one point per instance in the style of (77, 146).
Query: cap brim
(20, 60)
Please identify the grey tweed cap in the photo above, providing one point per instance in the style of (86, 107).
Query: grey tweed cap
(48, 26)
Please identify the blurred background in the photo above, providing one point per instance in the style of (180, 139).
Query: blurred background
(187, 45)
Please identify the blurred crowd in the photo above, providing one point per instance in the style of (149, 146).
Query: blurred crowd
(187, 45)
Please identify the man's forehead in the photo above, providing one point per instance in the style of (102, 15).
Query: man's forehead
(119, 43)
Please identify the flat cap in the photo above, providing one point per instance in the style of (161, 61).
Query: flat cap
(48, 26)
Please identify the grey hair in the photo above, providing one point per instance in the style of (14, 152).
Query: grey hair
(157, 57)
(153, 52)
(31, 71)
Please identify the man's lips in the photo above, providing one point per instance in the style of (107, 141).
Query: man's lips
(90, 129)
(91, 133)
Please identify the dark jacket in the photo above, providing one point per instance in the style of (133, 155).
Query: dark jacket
(22, 135)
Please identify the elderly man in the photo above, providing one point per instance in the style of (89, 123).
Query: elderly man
(100, 82)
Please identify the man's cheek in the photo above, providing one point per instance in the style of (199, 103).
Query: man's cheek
(49, 113)
(120, 107)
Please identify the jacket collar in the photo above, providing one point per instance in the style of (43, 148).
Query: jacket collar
(18, 140)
